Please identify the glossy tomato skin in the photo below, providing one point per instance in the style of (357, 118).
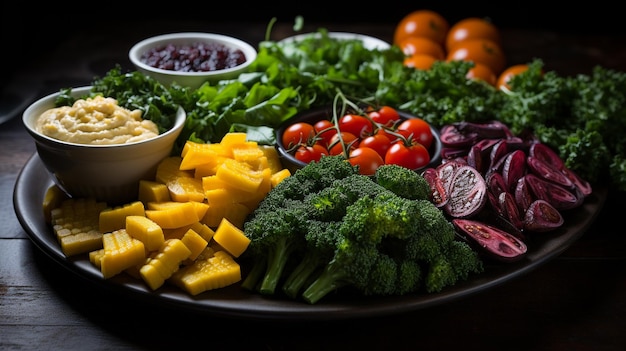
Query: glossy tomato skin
(482, 51)
(419, 129)
(422, 23)
(508, 73)
(411, 156)
(367, 159)
(355, 124)
(336, 147)
(378, 141)
(311, 153)
(298, 133)
(472, 28)
(325, 130)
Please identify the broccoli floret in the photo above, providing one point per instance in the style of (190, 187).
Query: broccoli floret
(276, 236)
(385, 215)
(403, 182)
(324, 172)
(331, 202)
(327, 227)
(350, 266)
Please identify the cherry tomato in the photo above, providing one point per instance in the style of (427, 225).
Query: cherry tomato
(297, 133)
(355, 124)
(422, 45)
(325, 130)
(482, 51)
(367, 159)
(385, 116)
(411, 156)
(420, 61)
(379, 142)
(482, 72)
(422, 23)
(308, 154)
(419, 129)
(507, 74)
(336, 148)
(472, 28)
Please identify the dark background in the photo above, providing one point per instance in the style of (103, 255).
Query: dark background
(31, 31)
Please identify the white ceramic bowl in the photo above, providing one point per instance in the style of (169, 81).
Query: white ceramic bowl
(109, 173)
(369, 42)
(190, 79)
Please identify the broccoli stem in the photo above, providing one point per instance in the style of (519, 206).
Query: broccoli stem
(253, 279)
(301, 274)
(277, 258)
(331, 279)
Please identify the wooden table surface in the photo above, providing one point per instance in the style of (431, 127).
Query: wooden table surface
(576, 301)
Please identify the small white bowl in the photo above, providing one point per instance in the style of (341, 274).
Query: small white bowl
(369, 42)
(190, 79)
(109, 173)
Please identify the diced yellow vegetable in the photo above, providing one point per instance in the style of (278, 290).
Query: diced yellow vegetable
(194, 242)
(165, 263)
(75, 224)
(176, 233)
(232, 140)
(95, 257)
(151, 191)
(115, 218)
(204, 230)
(248, 152)
(196, 154)
(52, 199)
(121, 251)
(169, 168)
(273, 160)
(175, 216)
(183, 189)
(231, 238)
(208, 273)
(278, 177)
(146, 230)
(235, 213)
(240, 175)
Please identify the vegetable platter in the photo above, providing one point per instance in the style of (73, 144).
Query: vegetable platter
(233, 301)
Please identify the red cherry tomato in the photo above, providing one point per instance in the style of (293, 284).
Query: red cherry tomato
(379, 142)
(367, 159)
(355, 124)
(386, 116)
(308, 154)
(325, 130)
(411, 156)
(297, 133)
(336, 146)
(419, 129)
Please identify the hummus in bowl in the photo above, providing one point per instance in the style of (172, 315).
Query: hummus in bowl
(98, 167)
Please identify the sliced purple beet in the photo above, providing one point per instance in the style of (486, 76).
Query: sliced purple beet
(438, 191)
(452, 137)
(467, 193)
(546, 154)
(583, 185)
(542, 217)
(510, 210)
(523, 196)
(494, 242)
(548, 171)
(513, 168)
(556, 195)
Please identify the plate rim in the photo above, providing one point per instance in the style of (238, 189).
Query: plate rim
(233, 301)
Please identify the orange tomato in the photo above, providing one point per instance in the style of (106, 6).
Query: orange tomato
(420, 61)
(422, 23)
(507, 74)
(472, 28)
(482, 51)
(422, 45)
(482, 72)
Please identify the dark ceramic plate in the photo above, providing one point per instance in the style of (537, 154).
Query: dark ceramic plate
(34, 180)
